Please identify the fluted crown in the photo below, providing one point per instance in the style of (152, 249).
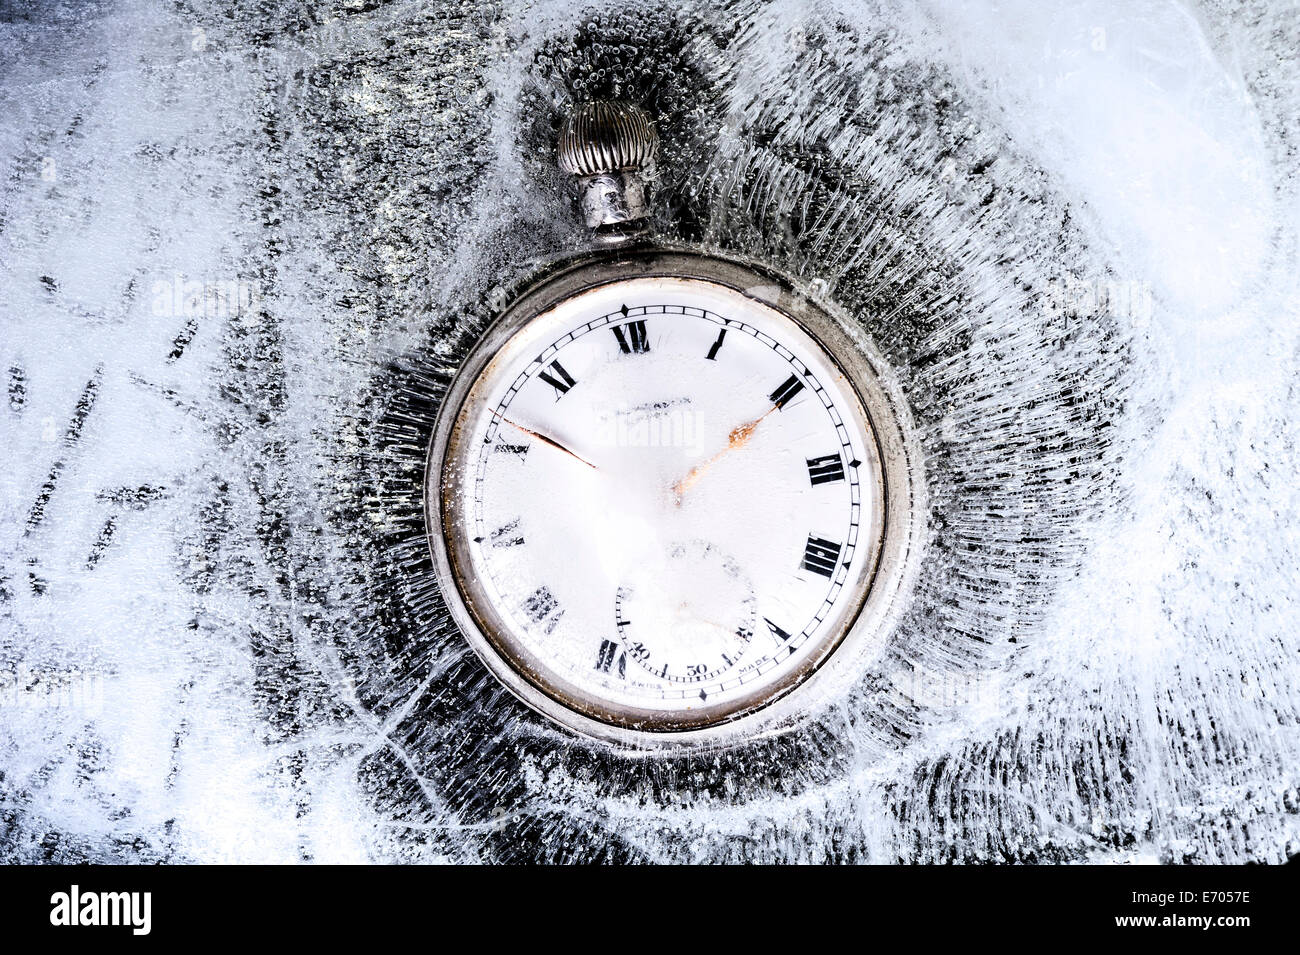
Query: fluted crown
(600, 138)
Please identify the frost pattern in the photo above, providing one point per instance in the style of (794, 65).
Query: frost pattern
(245, 244)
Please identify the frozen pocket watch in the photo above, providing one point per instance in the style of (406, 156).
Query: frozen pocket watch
(670, 500)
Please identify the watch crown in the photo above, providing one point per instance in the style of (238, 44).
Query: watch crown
(607, 137)
(610, 147)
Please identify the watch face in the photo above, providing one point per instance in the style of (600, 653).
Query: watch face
(661, 499)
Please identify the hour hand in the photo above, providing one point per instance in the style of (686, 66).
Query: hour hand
(738, 438)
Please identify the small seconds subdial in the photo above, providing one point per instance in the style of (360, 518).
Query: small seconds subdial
(663, 501)
(691, 615)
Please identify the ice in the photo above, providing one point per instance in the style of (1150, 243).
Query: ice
(243, 246)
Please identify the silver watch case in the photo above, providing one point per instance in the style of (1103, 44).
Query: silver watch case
(824, 676)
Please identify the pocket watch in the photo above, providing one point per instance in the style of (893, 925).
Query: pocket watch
(671, 500)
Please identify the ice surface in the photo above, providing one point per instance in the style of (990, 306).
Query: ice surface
(243, 246)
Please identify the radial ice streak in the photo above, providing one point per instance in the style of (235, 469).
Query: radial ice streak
(662, 501)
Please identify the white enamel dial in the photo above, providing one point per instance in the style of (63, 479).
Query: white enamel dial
(663, 501)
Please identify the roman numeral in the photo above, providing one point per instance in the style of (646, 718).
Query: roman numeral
(713, 351)
(561, 381)
(776, 631)
(506, 536)
(605, 658)
(821, 556)
(789, 388)
(632, 338)
(826, 469)
(543, 609)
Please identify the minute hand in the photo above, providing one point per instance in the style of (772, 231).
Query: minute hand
(546, 440)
